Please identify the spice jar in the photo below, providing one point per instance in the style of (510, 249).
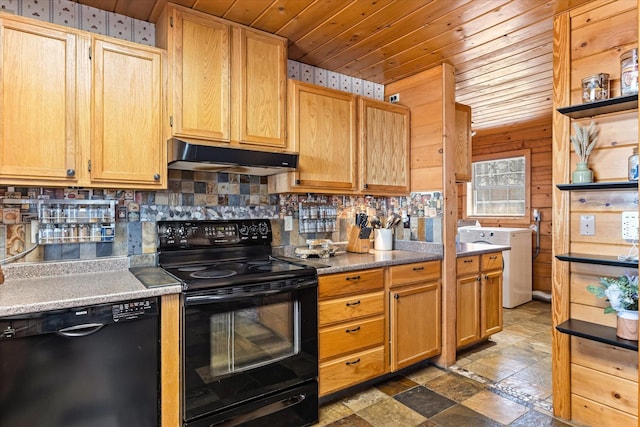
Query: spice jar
(633, 165)
(595, 87)
(629, 72)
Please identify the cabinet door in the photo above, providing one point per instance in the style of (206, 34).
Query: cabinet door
(415, 324)
(127, 144)
(200, 57)
(259, 89)
(463, 143)
(324, 133)
(468, 316)
(490, 303)
(384, 142)
(38, 114)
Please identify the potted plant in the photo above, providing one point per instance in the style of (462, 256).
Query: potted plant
(583, 141)
(622, 294)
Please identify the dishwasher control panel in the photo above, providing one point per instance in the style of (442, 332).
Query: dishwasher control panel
(130, 310)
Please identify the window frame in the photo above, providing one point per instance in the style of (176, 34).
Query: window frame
(503, 219)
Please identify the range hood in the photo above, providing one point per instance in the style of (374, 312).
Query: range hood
(192, 156)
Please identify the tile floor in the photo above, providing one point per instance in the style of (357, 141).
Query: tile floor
(503, 382)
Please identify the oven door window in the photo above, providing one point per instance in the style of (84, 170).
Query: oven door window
(251, 337)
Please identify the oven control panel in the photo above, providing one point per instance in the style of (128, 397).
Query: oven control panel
(183, 234)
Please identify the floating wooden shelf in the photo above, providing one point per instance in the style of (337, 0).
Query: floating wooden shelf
(611, 105)
(597, 259)
(595, 332)
(617, 185)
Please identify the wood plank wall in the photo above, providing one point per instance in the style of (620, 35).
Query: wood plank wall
(536, 137)
(590, 40)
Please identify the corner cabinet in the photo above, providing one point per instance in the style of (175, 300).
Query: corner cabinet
(384, 147)
(228, 82)
(322, 129)
(479, 297)
(88, 113)
(414, 313)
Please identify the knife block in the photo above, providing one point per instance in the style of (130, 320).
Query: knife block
(355, 243)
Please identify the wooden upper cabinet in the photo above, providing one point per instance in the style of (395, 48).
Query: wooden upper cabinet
(228, 81)
(384, 144)
(322, 128)
(127, 129)
(260, 95)
(463, 143)
(38, 137)
(199, 49)
(79, 109)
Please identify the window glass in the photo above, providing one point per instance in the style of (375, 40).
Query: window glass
(498, 187)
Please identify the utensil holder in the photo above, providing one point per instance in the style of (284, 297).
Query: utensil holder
(355, 243)
(383, 239)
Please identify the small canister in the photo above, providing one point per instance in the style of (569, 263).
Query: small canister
(629, 72)
(633, 165)
(595, 87)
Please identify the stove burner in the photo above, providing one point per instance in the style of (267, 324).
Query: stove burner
(192, 268)
(213, 274)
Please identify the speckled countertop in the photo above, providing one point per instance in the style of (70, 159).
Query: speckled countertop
(34, 287)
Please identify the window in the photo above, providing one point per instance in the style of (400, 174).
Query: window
(499, 186)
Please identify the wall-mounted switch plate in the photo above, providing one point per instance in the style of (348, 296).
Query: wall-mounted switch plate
(587, 225)
(630, 225)
(288, 223)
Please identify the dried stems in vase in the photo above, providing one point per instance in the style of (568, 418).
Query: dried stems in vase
(584, 140)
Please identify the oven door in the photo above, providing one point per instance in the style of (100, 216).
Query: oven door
(242, 344)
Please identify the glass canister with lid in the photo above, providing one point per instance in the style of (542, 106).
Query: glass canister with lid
(633, 165)
(595, 87)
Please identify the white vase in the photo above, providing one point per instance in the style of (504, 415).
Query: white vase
(627, 325)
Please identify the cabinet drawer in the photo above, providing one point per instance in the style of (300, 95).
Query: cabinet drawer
(609, 390)
(351, 336)
(467, 265)
(349, 308)
(415, 272)
(592, 413)
(491, 261)
(351, 370)
(350, 283)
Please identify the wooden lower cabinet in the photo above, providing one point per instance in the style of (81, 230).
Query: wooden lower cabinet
(604, 384)
(479, 297)
(351, 318)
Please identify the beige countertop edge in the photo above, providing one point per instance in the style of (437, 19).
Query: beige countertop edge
(469, 249)
(373, 259)
(30, 295)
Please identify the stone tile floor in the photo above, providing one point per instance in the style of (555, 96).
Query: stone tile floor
(505, 381)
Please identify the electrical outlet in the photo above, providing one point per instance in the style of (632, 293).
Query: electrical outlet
(630, 225)
(587, 225)
(395, 98)
(288, 223)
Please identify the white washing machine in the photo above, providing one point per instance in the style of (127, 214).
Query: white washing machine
(517, 276)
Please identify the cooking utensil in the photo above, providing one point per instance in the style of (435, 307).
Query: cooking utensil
(375, 222)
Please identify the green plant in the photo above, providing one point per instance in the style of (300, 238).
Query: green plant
(621, 292)
(584, 140)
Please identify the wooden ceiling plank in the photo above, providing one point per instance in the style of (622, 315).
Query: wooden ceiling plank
(450, 44)
(365, 29)
(245, 12)
(307, 19)
(471, 77)
(217, 7)
(505, 94)
(335, 26)
(279, 14)
(514, 83)
(429, 22)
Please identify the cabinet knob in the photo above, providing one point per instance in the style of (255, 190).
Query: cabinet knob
(478, 279)
(396, 296)
(365, 186)
(156, 177)
(71, 172)
(297, 182)
(350, 331)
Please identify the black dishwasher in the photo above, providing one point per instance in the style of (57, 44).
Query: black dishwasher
(93, 366)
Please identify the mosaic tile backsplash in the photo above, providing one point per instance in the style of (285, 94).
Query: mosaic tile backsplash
(199, 196)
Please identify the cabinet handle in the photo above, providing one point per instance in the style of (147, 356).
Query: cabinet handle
(156, 177)
(478, 279)
(486, 277)
(493, 257)
(356, 329)
(396, 296)
(351, 304)
(467, 261)
(354, 278)
(418, 268)
(71, 172)
(352, 363)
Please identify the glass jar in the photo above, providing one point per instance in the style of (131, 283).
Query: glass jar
(629, 72)
(96, 233)
(84, 233)
(633, 165)
(595, 87)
